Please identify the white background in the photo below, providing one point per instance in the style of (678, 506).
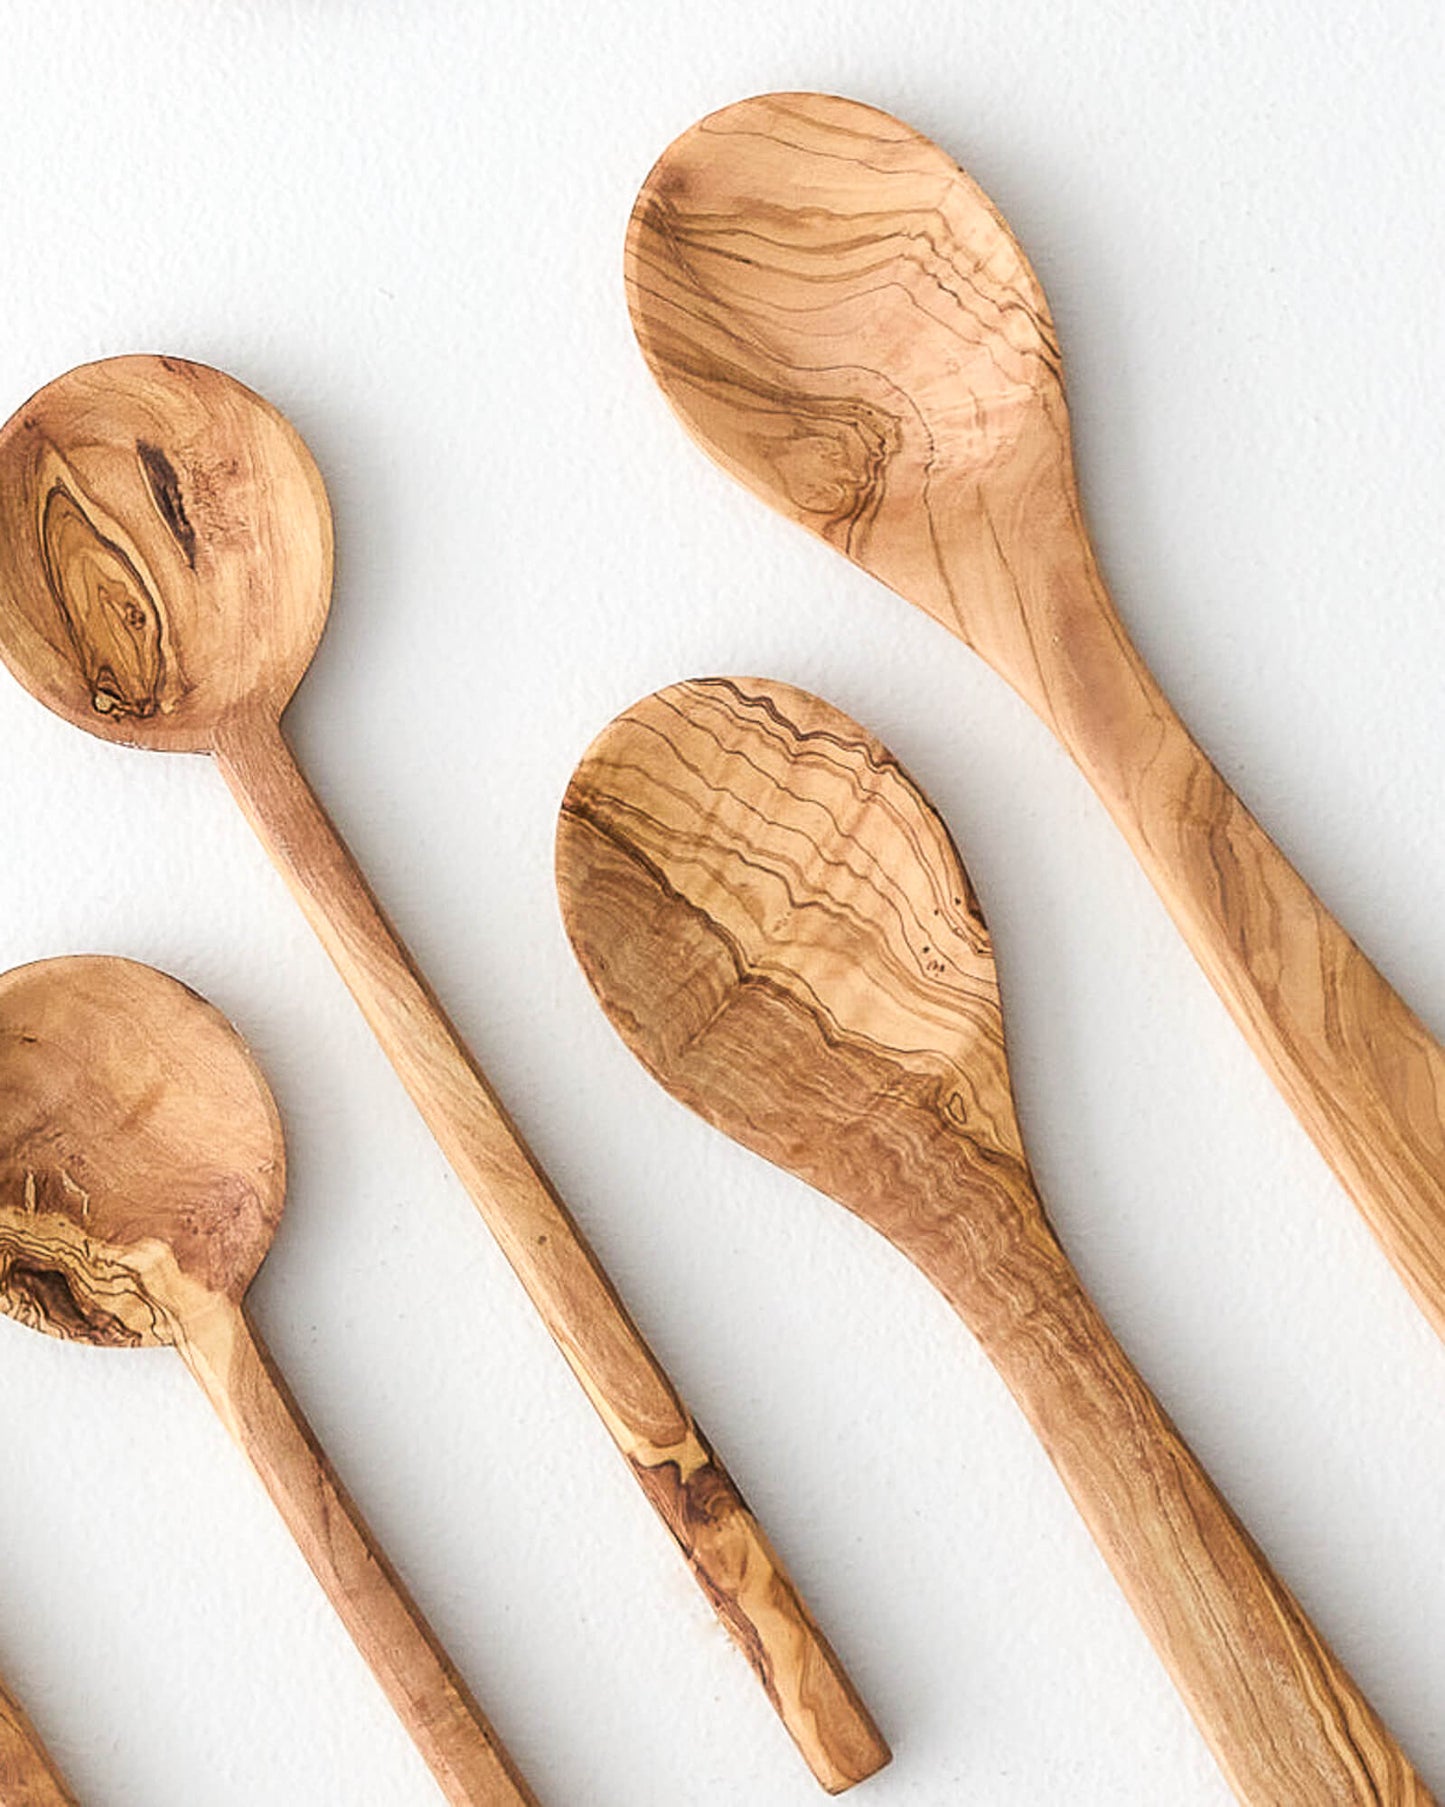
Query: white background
(403, 225)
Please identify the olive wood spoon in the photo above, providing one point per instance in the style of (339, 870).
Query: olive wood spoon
(28, 1778)
(843, 321)
(142, 1175)
(165, 574)
(780, 929)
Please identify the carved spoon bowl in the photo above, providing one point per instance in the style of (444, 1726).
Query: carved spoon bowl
(142, 1175)
(842, 319)
(777, 923)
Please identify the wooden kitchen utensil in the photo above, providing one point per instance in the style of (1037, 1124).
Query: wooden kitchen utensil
(142, 1175)
(165, 573)
(842, 319)
(27, 1776)
(780, 929)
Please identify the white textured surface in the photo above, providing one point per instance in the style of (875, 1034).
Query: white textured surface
(404, 226)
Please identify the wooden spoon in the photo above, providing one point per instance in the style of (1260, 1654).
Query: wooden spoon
(165, 573)
(142, 1175)
(842, 319)
(779, 927)
(27, 1776)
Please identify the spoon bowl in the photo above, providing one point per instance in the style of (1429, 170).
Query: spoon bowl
(778, 925)
(165, 552)
(841, 317)
(140, 1147)
(835, 1030)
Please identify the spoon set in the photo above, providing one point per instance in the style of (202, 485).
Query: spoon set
(768, 909)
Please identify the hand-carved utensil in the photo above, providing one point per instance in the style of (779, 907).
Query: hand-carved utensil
(27, 1776)
(142, 1175)
(780, 929)
(842, 319)
(165, 573)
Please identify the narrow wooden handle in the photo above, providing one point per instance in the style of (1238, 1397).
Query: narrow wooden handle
(1284, 1720)
(242, 1383)
(727, 1549)
(27, 1776)
(1357, 1066)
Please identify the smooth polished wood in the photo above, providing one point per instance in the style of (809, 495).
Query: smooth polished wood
(28, 1778)
(780, 928)
(165, 569)
(142, 1175)
(841, 318)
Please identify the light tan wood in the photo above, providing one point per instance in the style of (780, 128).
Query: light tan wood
(841, 318)
(28, 1778)
(142, 1175)
(779, 927)
(165, 557)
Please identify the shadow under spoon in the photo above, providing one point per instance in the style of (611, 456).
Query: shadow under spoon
(841, 318)
(779, 927)
(142, 1176)
(28, 1778)
(165, 575)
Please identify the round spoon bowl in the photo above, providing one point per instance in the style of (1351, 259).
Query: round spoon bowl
(840, 316)
(141, 1157)
(834, 1030)
(165, 551)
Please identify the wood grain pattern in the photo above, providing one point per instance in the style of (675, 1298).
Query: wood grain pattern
(165, 566)
(778, 925)
(28, 1778)
(142, 1175)
(841, 318)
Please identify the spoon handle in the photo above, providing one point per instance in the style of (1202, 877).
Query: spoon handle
(1284, 1720)
(27, 1776)
(725, 1546)
(241, 1381)
(1358, 1067)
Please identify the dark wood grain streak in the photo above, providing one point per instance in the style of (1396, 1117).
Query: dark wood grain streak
(844, 322)
(780, 928)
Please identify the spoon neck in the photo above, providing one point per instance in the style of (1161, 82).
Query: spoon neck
(1021, 586)
(217, 1344)
(248, 736)
(1002, 1268)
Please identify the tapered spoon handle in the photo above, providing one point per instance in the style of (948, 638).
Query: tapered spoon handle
(27, 1776)
(1287, 1725)
(727, 1549)
(242, 1383)
(1358, 1067)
